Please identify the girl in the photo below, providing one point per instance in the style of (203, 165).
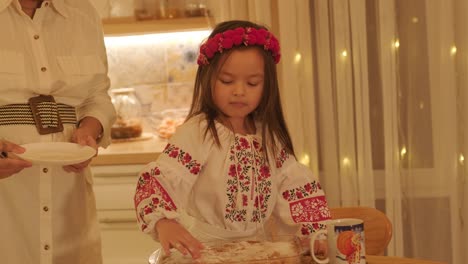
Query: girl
(231, 165)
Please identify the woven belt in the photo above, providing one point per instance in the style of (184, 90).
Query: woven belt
(21, 114)
(51, 116)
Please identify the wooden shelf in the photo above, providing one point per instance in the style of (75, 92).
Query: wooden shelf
(131, 26)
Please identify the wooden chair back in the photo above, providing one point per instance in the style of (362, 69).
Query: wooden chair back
(377, 226)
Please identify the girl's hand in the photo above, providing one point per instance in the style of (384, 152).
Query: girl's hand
(173, 235)
(10, 165)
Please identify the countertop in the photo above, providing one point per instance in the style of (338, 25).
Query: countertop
(140, 151)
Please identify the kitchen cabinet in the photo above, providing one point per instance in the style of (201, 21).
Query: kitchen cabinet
(122, 241)
(115, 172)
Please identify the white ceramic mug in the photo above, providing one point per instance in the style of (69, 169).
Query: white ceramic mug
(345, 242)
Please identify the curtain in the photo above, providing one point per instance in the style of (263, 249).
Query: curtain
(375, 97)
(390, 85)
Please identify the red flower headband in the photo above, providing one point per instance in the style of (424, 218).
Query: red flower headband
(234, 37)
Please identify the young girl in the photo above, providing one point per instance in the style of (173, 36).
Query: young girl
(231, 165)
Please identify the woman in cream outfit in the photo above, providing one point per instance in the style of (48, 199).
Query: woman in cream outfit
(56, 48)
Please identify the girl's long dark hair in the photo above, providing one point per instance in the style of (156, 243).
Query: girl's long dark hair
(269, 112)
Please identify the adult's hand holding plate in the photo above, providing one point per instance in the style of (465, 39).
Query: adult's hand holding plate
(56, 153)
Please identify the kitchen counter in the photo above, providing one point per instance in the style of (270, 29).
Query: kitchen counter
(130, 152)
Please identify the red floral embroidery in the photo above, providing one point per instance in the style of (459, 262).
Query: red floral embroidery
(183, 158)
(187, 158)
(283, 156)
(195, 170)
(244, 175)
(313, 209)
(256, 145)
(244, 143)
(259, 201)
(149, 187)
(143, 190)
(244, 200)
(301, 192)
(232, 170)
(264, 173)
(309, 228)
(173, 154)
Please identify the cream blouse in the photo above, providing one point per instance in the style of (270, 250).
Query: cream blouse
(229, 188)
(47, 215)
(60, 52)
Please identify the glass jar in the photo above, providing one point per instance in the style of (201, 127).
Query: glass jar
(121, 8)
(128, 108)
(145, 9)
(171, 9)
(195, 8)
(164, 123)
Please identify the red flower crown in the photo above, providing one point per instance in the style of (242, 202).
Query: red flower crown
(239, 36)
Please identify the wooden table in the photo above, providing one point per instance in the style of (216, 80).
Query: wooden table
(398, 260)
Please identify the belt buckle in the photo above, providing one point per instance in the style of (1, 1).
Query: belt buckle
(45, 113)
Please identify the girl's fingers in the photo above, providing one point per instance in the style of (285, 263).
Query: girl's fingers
(180, 247)
(195, 252)
(166, 250)
(194, 246)
(172, 235)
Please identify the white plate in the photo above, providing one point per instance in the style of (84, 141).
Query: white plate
(56, 153)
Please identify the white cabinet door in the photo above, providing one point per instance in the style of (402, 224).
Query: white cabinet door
(122, 240)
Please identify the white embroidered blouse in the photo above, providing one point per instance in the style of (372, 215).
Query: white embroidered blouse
(231, 187)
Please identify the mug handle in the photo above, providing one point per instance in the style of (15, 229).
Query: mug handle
(312, 242)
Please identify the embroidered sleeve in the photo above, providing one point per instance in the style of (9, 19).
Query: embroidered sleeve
(301, 200)
(152, 200)
(164, 186)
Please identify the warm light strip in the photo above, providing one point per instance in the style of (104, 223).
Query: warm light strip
(297, 58)
(132, 40)
(305, 160)
(453, 50)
